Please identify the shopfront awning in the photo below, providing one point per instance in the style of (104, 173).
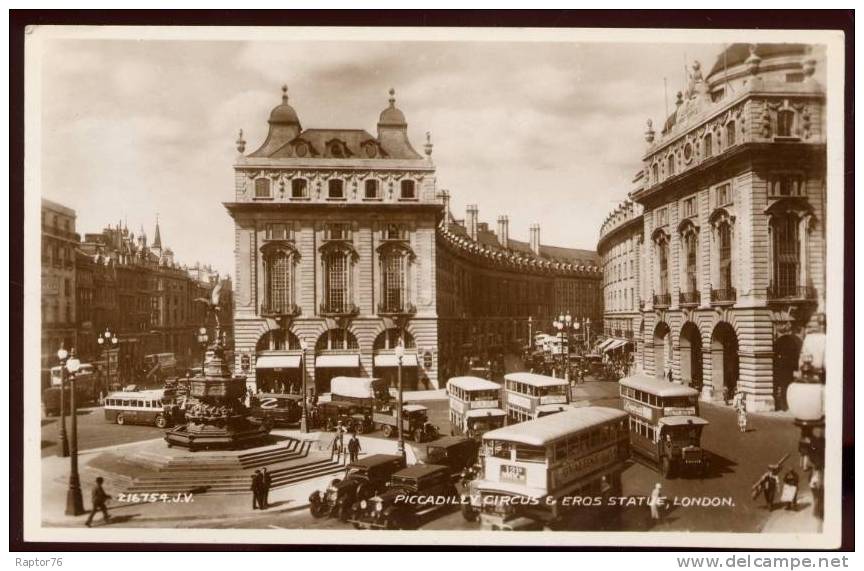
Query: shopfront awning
(277, 362)
(338, 361)
(388, 360)
(616, 344)
(602, 346)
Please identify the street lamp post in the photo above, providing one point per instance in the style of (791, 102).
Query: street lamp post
(564, 324)
(203, 340)
(806, 400)
(62, 355)
(107, 341)
(304, 422)
(74, 502)
(400, 354)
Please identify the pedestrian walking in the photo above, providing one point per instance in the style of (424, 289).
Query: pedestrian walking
(266, 481)
(336, 450)
(654, 501)
(767, 485)
(353, 448)
(741, 408)
(790, 490)
(256, 490)
(100, 499)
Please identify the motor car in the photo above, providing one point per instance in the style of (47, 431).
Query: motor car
(354, 417)
(458, 453)
(412, 496)
(415, 422)
(276, 408)
(362, 480)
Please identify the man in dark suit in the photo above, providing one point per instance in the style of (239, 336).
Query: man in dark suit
(264, 502)
(99, 498)
(257, 482)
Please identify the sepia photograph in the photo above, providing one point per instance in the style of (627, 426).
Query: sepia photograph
(393, 286)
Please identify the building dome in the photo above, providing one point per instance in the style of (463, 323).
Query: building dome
(737, 54)
(392, 115)
(284, 114)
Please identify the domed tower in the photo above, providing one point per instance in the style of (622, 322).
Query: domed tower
(393, 131)
(284, 127)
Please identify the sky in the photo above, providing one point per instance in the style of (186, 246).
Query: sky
(543, 132)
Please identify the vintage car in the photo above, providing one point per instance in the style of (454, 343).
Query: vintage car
(415, 422)
(413, 494)
(354, 417)
(363, 479)
(458, 453)
(272, 409)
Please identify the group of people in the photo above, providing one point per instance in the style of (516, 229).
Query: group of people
(770, 483)
(338, 448)
(261, 482)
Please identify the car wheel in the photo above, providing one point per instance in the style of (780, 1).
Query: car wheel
(121, 420)
(161, 421)
(317, 510)
(388, 431)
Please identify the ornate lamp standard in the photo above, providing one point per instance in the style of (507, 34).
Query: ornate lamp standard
(400, 354)
(74, 503)
(203, 339)
(564, 324)
(806, 399)
(106, 342)
(304, 421)
(62, 355)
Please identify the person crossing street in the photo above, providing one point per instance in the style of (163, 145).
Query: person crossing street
(100, 499)
(353, 448)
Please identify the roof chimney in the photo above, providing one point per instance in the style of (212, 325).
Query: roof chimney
(503, 231)
(535, 239)
(445, 200)
(471, 221)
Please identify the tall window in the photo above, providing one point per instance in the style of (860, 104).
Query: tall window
(408, 190)
(336, 269)
(262, 188)
(706, 145)
(670, 165)
(393, 281)
(335, 188)
(724, 251)
(298, 188)
(655, 173)
(663, 263)
(279, 280)
(787, 251)
(730, 133)
(785, 121)
(690, 249)
(371, 187)
(723, 194)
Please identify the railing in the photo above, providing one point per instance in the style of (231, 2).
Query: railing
(279, 309)
(725, 295)
(689, 298)
(628, 334)
(618, 332)
(338, 309)
(791, 292)
(396, 309)
(662, 299)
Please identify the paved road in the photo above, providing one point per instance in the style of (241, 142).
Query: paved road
(94, 432)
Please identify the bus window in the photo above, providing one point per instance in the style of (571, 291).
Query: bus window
(560, 451)
(530, 453)
(500, 449)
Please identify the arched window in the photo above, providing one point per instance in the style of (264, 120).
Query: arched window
(730, 133)
(393, 273)
(278, 340)
(706, 146)
(262, 188)
(335, 188)
(662, 248)
(655, 173)
(691, 248)
(389, 339)
(336, 340)
(337, 297)
(785, 122)
(298, 188)
(786, 255)
(724, 255)
(279, 282)
(408, 190)
(371, 187)
(670, 165)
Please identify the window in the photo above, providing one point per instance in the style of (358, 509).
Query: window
(787, 249)
(690, 250)
(794, 77)
(670, 165)
(663, 263)
(336, 281)
(262, 188)
(394, 232)
(662, 217)
(785, 122)
(730, 133)
(298, 188)
(393, 281)
(688, 207)
(278, 232)
(407, 189)
(723, 194)
(340, 231)
(724, 243)
(706, 145)
(371, 189)
(785, 185)
(655, 173)
(67, 287)
(279, 281)
(335, 188)
(336, 150)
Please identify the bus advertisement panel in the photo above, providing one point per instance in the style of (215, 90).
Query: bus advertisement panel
(529, 396)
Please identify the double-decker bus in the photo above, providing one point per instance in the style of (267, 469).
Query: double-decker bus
(544, 471)
(475, 406)
(529, 396)
(665, 426)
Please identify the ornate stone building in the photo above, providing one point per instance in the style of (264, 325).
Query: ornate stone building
(734, 224)
(620, 248)
(344, 245)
